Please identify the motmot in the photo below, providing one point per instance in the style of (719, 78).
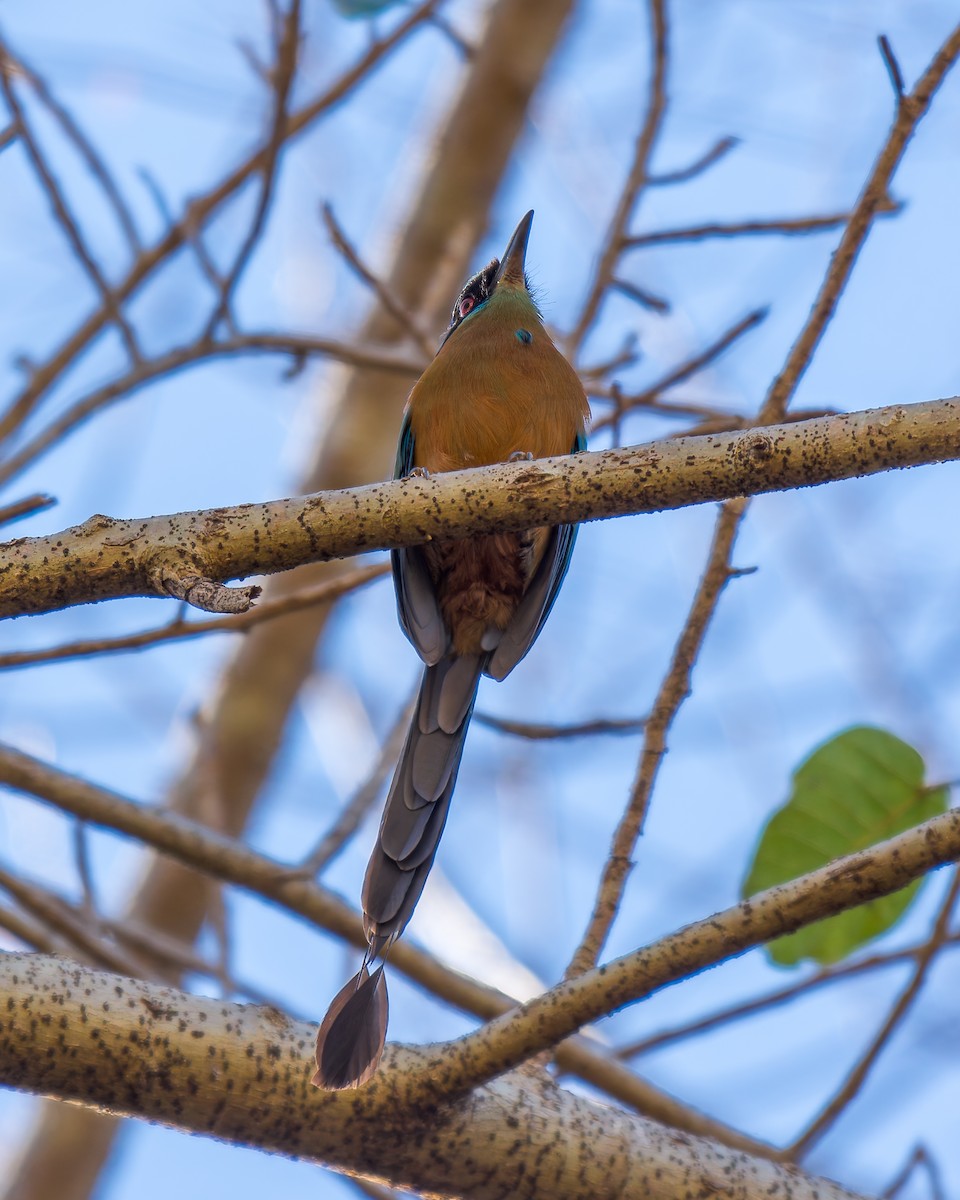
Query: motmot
(497, 390)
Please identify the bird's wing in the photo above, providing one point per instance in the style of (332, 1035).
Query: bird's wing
(534, 608)
(417, 608)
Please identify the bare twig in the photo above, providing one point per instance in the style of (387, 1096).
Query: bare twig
(356, 809)
(178, 630)
(81, 858)
(644, 298)
(31, 932)
(921, 1157)
(79, 931)
(673, 691)
(850, 1087)
(460, 44)
(180, 357)
(647, 398)
(785, 226)
(636, 180)
(717, 151)
(625, 357)
(893, 67)
(400, 314)
(65, 218)
(87, 151)
(747, 1008)
(8, 135)
(25, 507)
(910, 111)
(281, 79)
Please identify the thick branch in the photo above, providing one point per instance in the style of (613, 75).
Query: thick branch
(106, 558)
(241, 1074)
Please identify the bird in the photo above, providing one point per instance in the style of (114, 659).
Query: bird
(497, 390)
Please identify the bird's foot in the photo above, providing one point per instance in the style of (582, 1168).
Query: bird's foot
(520, 456)
(418, 473)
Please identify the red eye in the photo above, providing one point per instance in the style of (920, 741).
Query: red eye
(466, 305)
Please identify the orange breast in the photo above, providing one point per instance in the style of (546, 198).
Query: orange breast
(488, 394)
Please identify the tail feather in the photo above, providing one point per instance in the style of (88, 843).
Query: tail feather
(351, 1039)
(419, 798)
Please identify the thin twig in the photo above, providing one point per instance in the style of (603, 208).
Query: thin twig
(179, 630)
(921, 1157)
(81, 858)
(717, 151)
(80, 932)
(644, 298)
(171, 361)
(355, 811)
(33, 933)
(87, 151)
(8, 135)
(403, 318)
(460, 44)
(893, 67)
(785, 226)
(543, 733)
(793, 991)
(850, 1087)
(26, 507)
(65, 219)
(909, 112)
(636, 180)
(648, 397)
(625, 357)
(672, 692)
(281, 78)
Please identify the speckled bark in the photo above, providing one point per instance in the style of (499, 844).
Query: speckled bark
(152, 556)
(241, 1074)
(455, 1068)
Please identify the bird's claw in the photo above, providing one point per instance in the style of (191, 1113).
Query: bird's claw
(418, 473)
(520, 456)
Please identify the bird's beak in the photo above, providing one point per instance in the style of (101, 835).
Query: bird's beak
(511, 265)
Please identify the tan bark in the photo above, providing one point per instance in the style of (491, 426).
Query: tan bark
(241, 1074)
(159, 555)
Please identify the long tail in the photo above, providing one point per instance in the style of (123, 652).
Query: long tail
(353, 1032)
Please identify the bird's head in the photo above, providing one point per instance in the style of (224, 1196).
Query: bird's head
(500, 274)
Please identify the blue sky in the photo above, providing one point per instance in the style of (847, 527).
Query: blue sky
(850, 618)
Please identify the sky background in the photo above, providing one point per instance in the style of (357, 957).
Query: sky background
(850, 618)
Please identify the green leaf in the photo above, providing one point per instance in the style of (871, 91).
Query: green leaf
(857, 789)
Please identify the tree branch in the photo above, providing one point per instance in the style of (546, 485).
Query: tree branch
(108, 558)
(241, 1074)
(455, 1067)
